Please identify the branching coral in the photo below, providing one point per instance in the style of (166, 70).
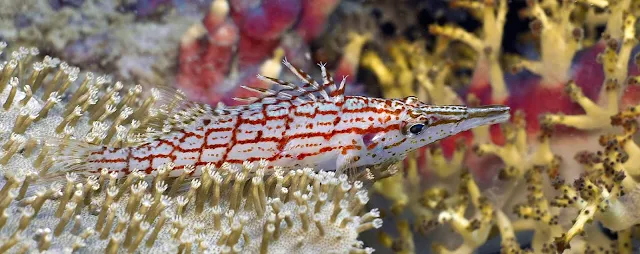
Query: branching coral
(396, 81)
(474, 232)
(490, 204)
(557, 31)
(412, 66)
(536, 213)
(432, 73)
(607, 192)
(488, 47)
(559, 39)
(614, 61)
(558, 35)
(227, 209)
(516, 154)
(538, 187)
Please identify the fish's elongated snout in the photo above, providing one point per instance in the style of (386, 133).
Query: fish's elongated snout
(491, 114)
(444, 121)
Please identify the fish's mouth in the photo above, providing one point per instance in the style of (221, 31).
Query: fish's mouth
(491, 114)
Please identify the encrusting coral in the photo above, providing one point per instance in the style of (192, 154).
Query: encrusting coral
(107, 34)
(226, 210)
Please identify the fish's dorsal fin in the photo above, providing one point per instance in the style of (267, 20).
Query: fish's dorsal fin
(173, 111)
(174, 100)
(309, 90)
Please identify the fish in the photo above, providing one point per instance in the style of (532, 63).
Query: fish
(310, 125)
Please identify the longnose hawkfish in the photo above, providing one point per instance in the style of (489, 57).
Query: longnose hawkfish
(310, 125)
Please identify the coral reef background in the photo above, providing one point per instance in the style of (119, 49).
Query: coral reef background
(133, 40)
(561, 177)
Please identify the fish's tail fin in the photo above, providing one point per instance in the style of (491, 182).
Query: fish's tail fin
(64, 156)
(53, 161)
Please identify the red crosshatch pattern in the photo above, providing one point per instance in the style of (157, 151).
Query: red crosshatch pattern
(311, 125)
(304, 134)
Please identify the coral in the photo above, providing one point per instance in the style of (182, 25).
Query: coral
(99, 33)
(561, 216)
(614, 61)
(487, 49)
(312, 21)
(564, 168)
(228, 209)
(137, 215)
(396, 80)
(560, 39)
(238, 39)
(474, 232)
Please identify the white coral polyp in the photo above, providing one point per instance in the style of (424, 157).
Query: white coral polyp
(225, 211)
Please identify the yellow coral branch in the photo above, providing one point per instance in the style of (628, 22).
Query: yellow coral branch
(392, 189)
(596, 117)
(443, 167)
(559, 40)
(531, 65)
(372, 61)
(509, 242)
(439, 93)
(353, 49)
(489, 46)
(598, 3)
(615, 23)
(459, 34)
(629, 41)
(513, 153)
(586, 215)
(625, 245)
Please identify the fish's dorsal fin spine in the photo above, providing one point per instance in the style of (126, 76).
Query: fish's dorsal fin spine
(328, 84)
(173, 111)
(309, 90)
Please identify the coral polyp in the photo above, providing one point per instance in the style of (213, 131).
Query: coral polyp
(561, 176)
(227, 209)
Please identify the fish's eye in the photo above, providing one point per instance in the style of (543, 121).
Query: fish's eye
(416, 128)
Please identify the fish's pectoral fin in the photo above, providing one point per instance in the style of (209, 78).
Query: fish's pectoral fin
(385, 169)
(343, 163)
(347, 164)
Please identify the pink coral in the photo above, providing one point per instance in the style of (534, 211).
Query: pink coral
(241, 38)
(312, 22)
